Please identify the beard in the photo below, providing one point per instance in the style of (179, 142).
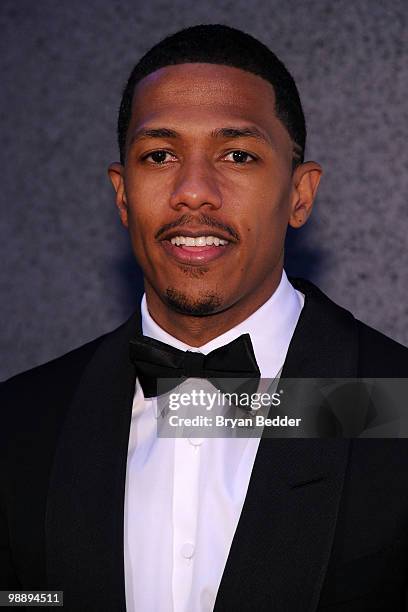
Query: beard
(206, 304)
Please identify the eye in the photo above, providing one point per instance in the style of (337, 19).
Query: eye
(159, 157)
(240, 157)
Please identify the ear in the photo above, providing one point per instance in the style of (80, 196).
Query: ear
(305, 181)
(116, 175)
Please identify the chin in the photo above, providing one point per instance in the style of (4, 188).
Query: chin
(193, 305)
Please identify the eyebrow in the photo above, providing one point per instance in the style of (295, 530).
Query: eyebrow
(240, 132)
(225, 132)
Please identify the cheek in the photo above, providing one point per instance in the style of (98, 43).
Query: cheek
(264, 228)
(144, 204)
(148, 201)
(266, 213)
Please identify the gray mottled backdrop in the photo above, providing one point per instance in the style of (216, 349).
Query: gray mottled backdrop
(67, 274)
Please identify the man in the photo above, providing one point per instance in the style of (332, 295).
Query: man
(93, 502)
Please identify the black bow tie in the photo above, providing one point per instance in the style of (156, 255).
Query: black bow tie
(156, 360)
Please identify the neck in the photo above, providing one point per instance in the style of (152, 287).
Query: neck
(198, 330)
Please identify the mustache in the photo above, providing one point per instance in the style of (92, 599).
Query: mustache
(200, 220)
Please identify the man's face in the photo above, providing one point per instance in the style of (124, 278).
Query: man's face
(208, 159)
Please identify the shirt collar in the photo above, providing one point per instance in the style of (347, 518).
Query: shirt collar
(271, 328)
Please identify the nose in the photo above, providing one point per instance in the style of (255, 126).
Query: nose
(195, 186)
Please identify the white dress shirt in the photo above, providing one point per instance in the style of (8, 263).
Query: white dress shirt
(184, 497)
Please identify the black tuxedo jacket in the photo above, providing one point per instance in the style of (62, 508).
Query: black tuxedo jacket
(324, 524)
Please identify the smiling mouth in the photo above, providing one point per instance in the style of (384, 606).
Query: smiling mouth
(195, 250)
(199, 241)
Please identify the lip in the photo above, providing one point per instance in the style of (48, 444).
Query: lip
(198, 256)
(195, 233)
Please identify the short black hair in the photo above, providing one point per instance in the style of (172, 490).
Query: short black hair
(221, 44)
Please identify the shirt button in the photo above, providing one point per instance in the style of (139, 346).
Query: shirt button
(196, 441)
(187, 550)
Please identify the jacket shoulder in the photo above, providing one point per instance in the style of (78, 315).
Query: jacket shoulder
(42, 394)
(332, 335)
(33, 404)
(380, 356)
(53, 373)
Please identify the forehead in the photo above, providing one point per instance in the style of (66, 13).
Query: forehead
(200, 94)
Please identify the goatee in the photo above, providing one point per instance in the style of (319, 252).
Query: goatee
(198, 307)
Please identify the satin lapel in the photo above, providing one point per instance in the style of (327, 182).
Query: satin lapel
(284, 536)
(84, 522)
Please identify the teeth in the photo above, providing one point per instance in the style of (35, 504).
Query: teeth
(199, 241)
